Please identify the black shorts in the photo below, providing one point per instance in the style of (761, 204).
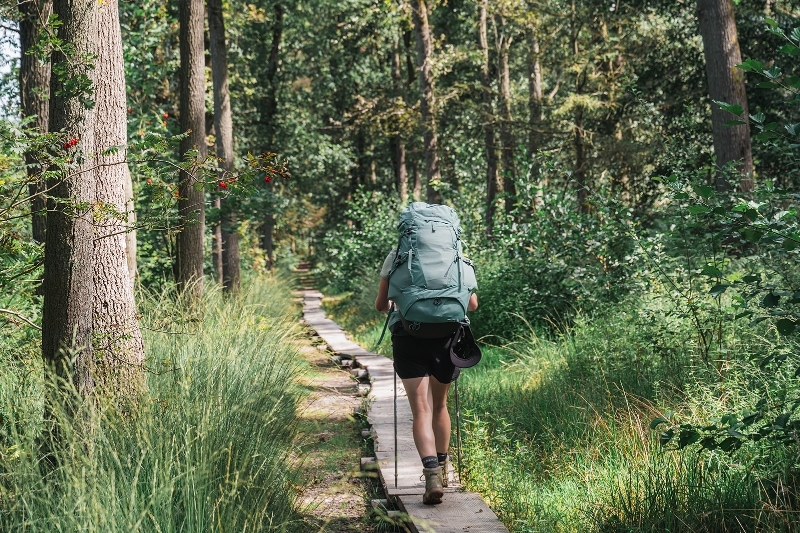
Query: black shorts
(417, 358)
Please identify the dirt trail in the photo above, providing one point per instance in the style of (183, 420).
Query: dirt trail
(333, 494)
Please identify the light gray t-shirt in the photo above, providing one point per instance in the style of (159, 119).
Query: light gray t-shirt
(387, 264)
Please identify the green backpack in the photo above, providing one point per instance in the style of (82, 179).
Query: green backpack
(431, 280)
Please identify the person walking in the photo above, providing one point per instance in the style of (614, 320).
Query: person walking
(429, 300)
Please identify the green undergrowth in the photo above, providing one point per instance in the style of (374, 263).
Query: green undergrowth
(556, 428)
(205, 449)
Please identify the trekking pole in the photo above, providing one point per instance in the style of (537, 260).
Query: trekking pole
(395, 429)
(458, 431)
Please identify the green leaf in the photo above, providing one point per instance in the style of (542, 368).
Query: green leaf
(681, 196)
(793, 129)
(752, 214)
(771, 23)
(752, 235)
(785, 326)
(795, 34)
(730, 444)
(736, 109)
(731, 123)
(709, 443)
(666, 436)
(789, 245)
(717, 290)
(758, 117)
(767, 135)
(793, 82)
(688, 437)
(698, 209)
(790, 49)
(781, 420)
(770, 300)
(774, 72)
(751, 278)
(704, 191)
(711, 270)
(657, 421)
(751, 65)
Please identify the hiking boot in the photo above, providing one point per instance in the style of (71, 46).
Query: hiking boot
(433, 486)
(445, 466)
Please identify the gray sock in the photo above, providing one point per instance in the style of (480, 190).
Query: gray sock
(430, 462)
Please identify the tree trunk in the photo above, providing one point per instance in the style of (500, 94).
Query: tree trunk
(216, 242)
(577, 131)
(417, 183)
(506, 135)
(726, 84)
(400, 173)
(223, 124)
(191, 207)
(488, 132)
(119, 351)
(34, 88)
(535, 116)
(268, 113)
(68, 264)
(427, 100)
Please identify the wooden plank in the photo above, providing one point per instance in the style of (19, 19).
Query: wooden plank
(460, 512)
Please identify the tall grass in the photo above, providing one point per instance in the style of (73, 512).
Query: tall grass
(206, 447)
(557, 436)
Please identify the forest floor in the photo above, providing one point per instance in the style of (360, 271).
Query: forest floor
(334, 496)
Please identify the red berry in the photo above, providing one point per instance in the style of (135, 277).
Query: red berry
(166, 115)
(223, 184)
(148, 122)
(149, 181)
(267, 179)
(130, 110)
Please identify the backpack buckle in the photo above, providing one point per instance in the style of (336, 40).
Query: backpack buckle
(437, 301)
(414, 326)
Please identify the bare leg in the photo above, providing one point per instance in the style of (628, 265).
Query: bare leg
(441, 416)
(418, 391)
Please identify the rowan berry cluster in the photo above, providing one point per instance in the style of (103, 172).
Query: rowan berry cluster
(70, 143)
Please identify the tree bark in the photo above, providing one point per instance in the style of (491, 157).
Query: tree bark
(726, 84)
(34, 88)
(130, 236)
(191, 206)
(427, 101)
(535, 115)
(268, 113)
(223, 125)
(506, 135)
(577, 130)
(68, 266)
(400, 172)
(119, 351)
(488, 131)
(216, 243)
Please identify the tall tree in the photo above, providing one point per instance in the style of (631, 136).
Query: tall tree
(725, 84)
(488, 112)
(506, 134)
(223, 126)
(268, 112)
(68, 266)
(427, 100)
(400, 171)
(535, 115)
(191, 205)
(578, 132)
(34, 88)
(119, 350)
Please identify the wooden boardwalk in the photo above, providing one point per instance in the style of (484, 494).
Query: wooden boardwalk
(460, 511)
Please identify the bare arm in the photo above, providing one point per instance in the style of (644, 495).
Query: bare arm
(473, 302)
(382, 301)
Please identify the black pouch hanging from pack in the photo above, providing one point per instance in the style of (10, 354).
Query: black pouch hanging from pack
(464, 351)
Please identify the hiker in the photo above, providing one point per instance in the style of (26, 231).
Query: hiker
(420, 279)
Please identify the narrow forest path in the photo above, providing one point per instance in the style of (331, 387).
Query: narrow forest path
(334, 495)
(401, 478)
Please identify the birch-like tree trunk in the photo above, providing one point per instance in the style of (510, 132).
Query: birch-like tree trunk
(427, 99)
(119, 351)
(223, 125)
(400, 172)
(68, 266)
(191, 205)
(488, 118)
(535, 116)
(725, 84)
(34, 89)
(506, 135)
